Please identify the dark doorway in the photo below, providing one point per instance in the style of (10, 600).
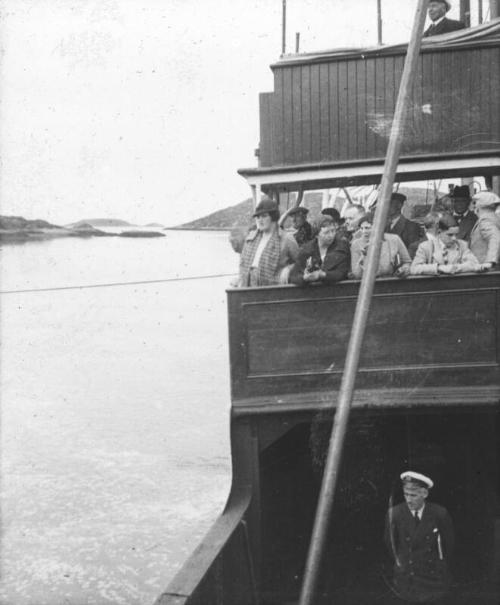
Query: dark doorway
(459, 449)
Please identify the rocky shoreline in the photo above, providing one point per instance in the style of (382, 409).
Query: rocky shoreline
(18, 229)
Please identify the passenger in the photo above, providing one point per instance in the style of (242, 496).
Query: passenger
(334, 214)
(325, 259)
(268, 251)
(430, 225)
(351, 221)
(485, 236)
(420, 538)
(397, 224)
(394, 257)
(437, 10)
(303, 230)
(445, 254)
(466, 219)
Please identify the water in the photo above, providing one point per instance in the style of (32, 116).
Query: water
(115, 415)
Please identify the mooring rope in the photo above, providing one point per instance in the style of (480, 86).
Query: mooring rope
(113, 284)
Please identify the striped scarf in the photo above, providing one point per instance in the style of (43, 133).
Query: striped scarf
(268, 269)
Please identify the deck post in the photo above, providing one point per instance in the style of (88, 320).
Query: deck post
(323, 512)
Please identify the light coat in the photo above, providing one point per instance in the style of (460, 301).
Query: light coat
(485, 238)
(429, 256)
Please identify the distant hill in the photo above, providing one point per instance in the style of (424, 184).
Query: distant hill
(240, 215)
(155, 225)
(20, 223)
(100, 222)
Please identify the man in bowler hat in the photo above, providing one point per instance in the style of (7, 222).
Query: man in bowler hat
(463, 215)
(437, 10)
(420, 538)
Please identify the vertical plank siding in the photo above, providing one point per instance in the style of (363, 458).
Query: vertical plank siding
(266, 132)
(341, 109)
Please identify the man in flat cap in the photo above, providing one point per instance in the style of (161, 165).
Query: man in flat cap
(303, 230)
(397, 224)
(420, 539)
(437, 10)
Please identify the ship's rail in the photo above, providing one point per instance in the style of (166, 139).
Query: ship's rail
(429, 341)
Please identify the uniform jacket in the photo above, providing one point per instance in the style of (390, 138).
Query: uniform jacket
(444, 27)
(429, 255)
(465, 224)
(485, 238)
(335, 264)
(421, 553)
(407, 230)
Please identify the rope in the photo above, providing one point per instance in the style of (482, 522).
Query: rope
(113, 284)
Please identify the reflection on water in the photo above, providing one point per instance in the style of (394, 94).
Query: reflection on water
(115, 441)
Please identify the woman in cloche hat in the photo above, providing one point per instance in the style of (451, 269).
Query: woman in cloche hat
(268, 251)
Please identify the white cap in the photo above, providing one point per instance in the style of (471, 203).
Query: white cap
(417, 477)
(486, 199)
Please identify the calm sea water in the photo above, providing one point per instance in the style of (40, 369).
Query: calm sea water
(115, 415)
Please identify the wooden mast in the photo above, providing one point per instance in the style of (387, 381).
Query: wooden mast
(323, 512)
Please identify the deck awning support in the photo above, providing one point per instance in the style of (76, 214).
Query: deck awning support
(332, 465)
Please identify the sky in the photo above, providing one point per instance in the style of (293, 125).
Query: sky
(144, 109)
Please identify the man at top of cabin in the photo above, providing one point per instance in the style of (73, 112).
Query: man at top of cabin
(397, 224)
(303, 230)
(485, 235)
(420, 538)
(444, 254)
(325, 259)
(465, 218)
(352, 216)
(268, 251)
(437, 10)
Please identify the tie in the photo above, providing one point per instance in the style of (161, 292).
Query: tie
(417, 519)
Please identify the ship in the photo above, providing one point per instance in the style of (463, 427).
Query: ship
(427, 390)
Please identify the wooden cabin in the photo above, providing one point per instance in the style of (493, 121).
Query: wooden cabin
(427, 392)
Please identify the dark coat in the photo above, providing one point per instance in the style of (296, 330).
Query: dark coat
(335, 264)
(465, 224)
(303, 234)
(444, 27)
(421, 559)
(407, 230)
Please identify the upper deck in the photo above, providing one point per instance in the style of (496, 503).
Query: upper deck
(328, 120)
(429, 341)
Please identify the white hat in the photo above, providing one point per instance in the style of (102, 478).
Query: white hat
(486, 199)
(419, 478)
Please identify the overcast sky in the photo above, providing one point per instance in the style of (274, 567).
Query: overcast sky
(145, 109)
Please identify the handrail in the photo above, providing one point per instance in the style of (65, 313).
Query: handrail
(332, 465)
(195, 569)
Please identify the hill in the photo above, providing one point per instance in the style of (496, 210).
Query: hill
(20, 223)
(100, 222)
(240, 215)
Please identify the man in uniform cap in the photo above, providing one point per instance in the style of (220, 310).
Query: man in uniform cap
(420, 538)
(437, 10)
(397, 224)
(465, 218)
